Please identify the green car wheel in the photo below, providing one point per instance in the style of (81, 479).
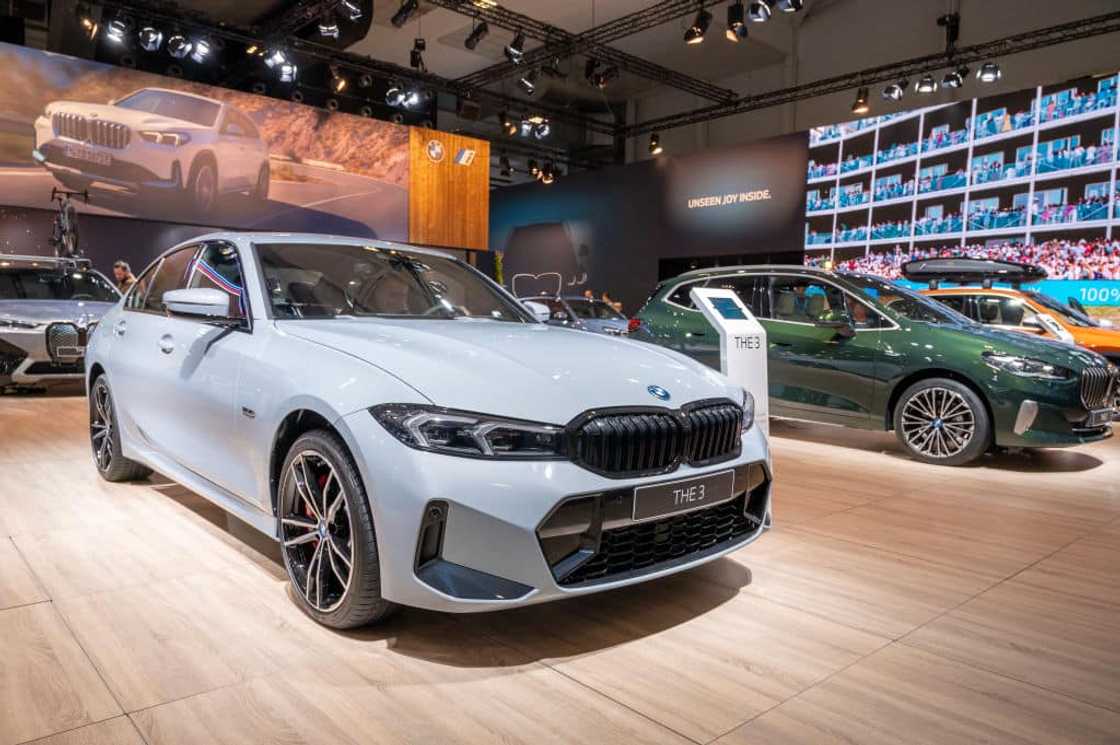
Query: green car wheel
(941, 421)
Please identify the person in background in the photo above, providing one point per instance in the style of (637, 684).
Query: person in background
(122, 272)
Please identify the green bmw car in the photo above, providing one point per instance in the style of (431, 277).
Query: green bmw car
(856, 350)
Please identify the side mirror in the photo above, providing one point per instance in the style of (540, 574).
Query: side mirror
(540, 311)
(199, 302)
(842, 328)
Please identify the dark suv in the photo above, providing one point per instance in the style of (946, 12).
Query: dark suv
(856, 350)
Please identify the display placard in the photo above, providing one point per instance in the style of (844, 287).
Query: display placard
(742, 345)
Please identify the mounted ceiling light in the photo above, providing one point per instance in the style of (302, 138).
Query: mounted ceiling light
(404, 13)
(528, 82)
(416, 56)
(288, 72)
(861, 106)
(736, 21)
(790, 6)
(119, 29)
(328, 25)
(505, 168)
(989, 72)
(760, 11)
(477, 34)
(955, 78)
(351, 9)
(85, 19)
(178, 46)
(695, 33)
(151, 39)
(655, 144)
(395, 94)
(539, 126)
(365, 81)
(896, 91)
(338, 80)
(552, 69)
(548, 172)
(926, 85)
(202, 49)
(509, 126)
(272, 58)
(515, 50)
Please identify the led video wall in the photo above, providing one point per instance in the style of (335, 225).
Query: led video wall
(1027, 176)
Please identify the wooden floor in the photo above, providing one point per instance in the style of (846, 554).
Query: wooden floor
(893, 603)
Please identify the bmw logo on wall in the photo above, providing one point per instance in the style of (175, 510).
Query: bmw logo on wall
(435, 151)
(659, 393)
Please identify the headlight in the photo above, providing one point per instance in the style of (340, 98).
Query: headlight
(468, 434)
(174, 139)
(1026, 367)
(748, 410)
(12, 323)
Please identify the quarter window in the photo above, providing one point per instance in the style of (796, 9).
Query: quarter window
(681, 297)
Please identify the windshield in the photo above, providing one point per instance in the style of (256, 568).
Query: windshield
(54, 284)
(1067, 313)
(173, 105)
(906, 303)
(318, 280)
(595, 310)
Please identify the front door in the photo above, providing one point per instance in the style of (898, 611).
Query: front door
(823, 348)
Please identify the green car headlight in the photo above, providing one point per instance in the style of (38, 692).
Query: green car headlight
(1026, 367)
(748, 410)
(468, 434)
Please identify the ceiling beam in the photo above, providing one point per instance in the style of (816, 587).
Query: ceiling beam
(564, 44)
(977, 53)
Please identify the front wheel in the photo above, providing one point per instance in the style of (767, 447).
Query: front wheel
(105, 438)
(942, 421)
(202, 186)
(327, 534)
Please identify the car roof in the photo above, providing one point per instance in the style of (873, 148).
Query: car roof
(245, 239)
(973, 289)
(8, 260)
(178, 93)
(752, 269)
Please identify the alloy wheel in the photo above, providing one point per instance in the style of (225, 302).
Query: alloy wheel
(205, 188)
(101, 427)
(938, 422)
(315, 529)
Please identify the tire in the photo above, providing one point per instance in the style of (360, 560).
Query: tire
(260, 191)
(313, 522)
(105, 437)
(941, 421)
(202, 186)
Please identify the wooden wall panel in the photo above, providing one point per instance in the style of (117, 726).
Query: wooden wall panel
(449, 190)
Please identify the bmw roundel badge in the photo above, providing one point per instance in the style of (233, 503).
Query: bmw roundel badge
(658, 392)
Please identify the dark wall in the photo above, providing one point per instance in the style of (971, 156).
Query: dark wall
(610, 230)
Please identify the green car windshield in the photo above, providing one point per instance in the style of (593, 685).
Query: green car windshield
(905, 303)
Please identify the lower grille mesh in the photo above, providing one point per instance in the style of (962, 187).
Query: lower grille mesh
(637, 547)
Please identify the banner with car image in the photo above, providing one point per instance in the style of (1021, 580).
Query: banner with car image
(167, 149)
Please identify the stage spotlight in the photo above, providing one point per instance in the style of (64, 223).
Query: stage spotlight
(790, 6)
(539, 126)
(736, 21)
(515, 51)
(509, 126)
(415, 98)
(695, 33)
(477, 34)
(989, 72)
(178, 46)
(528, 82)
(655, 144)
(201, 50)
(328, 26)
(119, 29)
(273, 58)
(404, 13)
(505, 168)
(366, 111)
(926, 85)
(151, 39)
(552, 68)
(895, 91)
(760, 11)
(416, 56)
(351, 9)
(297, 95)
(548, 172)
(365, 81)
(260, 88)
(395, 95)
(332, 104)
(955, 78)
(534, 169)
(288, 72)
(861, 106)
(338, 80)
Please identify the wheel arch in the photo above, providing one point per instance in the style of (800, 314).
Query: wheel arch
(926, 374)
(291, 427)
(200, 157)
(95, 372)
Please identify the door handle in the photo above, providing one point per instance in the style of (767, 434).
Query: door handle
(166, 344)
(120, 328)
(780, 344)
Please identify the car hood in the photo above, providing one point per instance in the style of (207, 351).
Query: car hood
(45, 311)
(121, 115)
(527, 371)
(1017, 343)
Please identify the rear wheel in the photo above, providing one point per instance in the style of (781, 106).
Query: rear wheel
(327, 534)
(942, 421)
(260, 190)
(105, 438)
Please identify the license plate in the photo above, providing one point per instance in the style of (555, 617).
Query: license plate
(1099, 418)
(659, 500)
(88, 154)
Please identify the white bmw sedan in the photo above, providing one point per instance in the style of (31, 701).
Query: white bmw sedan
(411, 434)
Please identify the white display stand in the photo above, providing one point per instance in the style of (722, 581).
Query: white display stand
(742, 345)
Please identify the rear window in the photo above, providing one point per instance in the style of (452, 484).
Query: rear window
(595, 310)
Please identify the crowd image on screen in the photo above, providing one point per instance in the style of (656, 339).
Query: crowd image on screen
(943, 138)
(1073, 102)
(1080, 260)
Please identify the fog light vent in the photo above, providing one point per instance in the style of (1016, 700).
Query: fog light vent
(429, 546)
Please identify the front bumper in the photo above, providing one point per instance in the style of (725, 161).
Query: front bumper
(140, 165)
(25, 360)
(493, 521)
(1036, 414)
